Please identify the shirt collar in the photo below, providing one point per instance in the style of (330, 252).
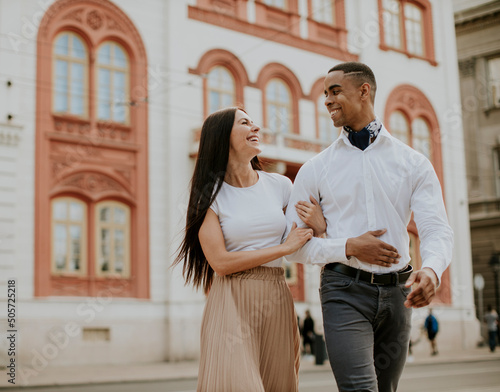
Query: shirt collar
(344, 135)
(373, 128)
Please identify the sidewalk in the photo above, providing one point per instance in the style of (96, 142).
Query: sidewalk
(74, 375)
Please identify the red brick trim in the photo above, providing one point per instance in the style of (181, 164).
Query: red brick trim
(283, 36)
(233, 8)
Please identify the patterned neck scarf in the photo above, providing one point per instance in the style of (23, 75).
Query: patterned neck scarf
(364, 138)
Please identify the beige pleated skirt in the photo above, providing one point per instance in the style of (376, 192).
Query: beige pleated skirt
(249, 335)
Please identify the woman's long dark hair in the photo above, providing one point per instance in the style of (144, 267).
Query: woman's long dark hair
(208, 176)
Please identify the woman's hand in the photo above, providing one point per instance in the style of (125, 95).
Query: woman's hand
(312, 215)
(296, 238)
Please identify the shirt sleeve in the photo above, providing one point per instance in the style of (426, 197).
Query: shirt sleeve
(287, 190)
(435, 233)
(318, 251)
(215, 207)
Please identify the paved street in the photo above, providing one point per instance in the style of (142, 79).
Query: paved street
(478, 376)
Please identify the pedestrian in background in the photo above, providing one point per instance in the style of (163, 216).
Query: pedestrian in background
(431, 325)
(308, 334)
(234, 228)
(492, 322)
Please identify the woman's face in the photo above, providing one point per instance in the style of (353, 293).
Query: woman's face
(244, 139)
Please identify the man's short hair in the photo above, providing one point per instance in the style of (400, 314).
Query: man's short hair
(362, 73)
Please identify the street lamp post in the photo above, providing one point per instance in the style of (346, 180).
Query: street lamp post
(479, 286)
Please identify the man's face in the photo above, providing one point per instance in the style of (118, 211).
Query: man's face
(342, 99)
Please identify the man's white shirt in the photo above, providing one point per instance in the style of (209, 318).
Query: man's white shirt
(377, 188)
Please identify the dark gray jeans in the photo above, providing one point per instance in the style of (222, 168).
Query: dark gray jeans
(367, 332)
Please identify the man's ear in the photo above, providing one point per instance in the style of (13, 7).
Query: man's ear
(365, 90)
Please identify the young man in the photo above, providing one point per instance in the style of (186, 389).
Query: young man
(368, 184)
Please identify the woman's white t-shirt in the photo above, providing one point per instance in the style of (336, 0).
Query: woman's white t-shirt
(252, 218)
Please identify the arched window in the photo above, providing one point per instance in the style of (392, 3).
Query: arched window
(281, 91)
(112, 83)
(413, 120)
(398, 124)
(278, 106)
(416, 136)
(70, 75)
(69, 236)
(221, 89)
(113, 239)
(421, 137)
(224, 78)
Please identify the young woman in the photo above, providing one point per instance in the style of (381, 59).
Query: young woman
(234, 227)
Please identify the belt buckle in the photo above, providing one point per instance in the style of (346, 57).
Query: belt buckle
(372, 280)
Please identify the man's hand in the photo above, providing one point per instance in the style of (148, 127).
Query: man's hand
(425, 291)
(370, 249)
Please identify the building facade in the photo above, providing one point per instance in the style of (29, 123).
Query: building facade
(100, 112)
(478, 43)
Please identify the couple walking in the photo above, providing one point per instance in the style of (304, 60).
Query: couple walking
(347, 211)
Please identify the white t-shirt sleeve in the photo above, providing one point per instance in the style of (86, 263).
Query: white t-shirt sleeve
(215, 207)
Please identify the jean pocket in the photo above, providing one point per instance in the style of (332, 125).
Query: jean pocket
(405, 290)
(334, 281)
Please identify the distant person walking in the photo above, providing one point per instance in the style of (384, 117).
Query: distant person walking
(308, 334)
(492, 322)
(432, 327)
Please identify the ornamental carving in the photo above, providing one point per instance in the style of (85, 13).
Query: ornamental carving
(58, 167)
(125, 174)
(94, 20)
(92, 182)
(75, 15)
(113, 24)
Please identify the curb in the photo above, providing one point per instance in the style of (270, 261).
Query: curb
(177, 371)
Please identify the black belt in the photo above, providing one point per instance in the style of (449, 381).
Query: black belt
(392, 278)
